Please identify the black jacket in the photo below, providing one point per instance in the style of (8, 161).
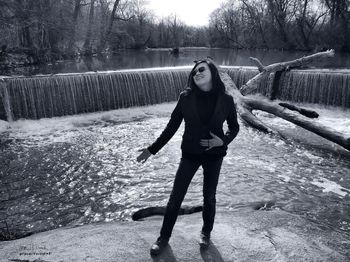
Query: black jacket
(195, 129)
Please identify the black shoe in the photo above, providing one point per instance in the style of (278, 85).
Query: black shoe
(159, 245)
(204, 240)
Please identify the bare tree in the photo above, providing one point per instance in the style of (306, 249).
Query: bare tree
(339, 26)
(281, 12)
(87, 44)
(163, 35)
(23, 12)
(139, 26)
(112, 18)
(76, 11)
(256, 15)
(175, 26)
(226, 21)
(307, 19)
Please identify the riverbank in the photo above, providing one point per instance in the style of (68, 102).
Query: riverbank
(247, 235)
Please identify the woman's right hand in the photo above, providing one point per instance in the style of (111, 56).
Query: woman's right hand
(144, 155)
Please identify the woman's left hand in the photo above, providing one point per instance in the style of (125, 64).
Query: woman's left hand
(213, 142)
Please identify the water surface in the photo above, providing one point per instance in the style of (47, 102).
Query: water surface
(82, 169)
(126, 59)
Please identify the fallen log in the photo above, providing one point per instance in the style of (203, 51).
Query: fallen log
(153, 211)
(304, 122)
(305, 112)
(245, 104)
(252, 84)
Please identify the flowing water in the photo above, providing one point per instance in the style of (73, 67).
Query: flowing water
(68, 94)
(82, 169)
(72, 170)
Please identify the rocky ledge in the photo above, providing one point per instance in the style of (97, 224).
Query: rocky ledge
(237, 236)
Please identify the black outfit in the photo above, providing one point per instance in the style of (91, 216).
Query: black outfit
(203, 112)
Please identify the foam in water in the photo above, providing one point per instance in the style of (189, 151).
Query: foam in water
(285, 178)
(331, 186)
(46, 126)
(262, 165)
(334, 117)
(92, 157)
(4, 125)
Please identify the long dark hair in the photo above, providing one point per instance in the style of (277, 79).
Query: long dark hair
(215, 77)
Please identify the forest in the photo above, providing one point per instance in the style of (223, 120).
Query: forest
(49, 30)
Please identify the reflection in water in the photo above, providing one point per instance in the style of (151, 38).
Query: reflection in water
(162, 58)
(89, 63)
(82, 169)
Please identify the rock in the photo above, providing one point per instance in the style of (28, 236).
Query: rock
(237, 236)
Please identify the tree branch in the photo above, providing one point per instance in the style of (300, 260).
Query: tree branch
(252, 84)
(123, 18)
(257, 62)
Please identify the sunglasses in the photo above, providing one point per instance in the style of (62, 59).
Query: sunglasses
(200, 70)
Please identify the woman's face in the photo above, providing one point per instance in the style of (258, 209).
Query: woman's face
(202, 77)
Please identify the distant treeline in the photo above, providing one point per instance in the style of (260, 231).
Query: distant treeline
(283, 24)
(57, 29)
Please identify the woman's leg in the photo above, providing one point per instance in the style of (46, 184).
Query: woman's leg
(211, 172)
(184, 175)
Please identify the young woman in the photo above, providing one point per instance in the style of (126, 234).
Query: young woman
(204, 106)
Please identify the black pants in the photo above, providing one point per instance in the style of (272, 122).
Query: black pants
(184, 175)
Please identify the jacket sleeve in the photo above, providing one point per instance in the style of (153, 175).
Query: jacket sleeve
(233, 126)
(171, 128)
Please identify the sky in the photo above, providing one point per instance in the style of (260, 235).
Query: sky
(191, 12)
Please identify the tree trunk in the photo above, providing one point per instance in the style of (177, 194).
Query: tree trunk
(74, 23)
(104, 11)
(245, 104)
(22, 13)
(109, 27)
(87, 43)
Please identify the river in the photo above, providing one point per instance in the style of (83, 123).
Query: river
(82, 169)
(126, 59)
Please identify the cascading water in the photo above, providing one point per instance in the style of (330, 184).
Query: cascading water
(69, 94)
(5, 105)
(326, 87)
(240, 75)
(48, 96)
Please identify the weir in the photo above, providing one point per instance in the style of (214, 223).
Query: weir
(68, 94)
(322, 86)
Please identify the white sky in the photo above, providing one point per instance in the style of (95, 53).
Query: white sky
(191, 12)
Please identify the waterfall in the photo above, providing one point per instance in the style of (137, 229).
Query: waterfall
(58, 95)
(327, 87)
(5, 106)
(241, 75)
(67, 94)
